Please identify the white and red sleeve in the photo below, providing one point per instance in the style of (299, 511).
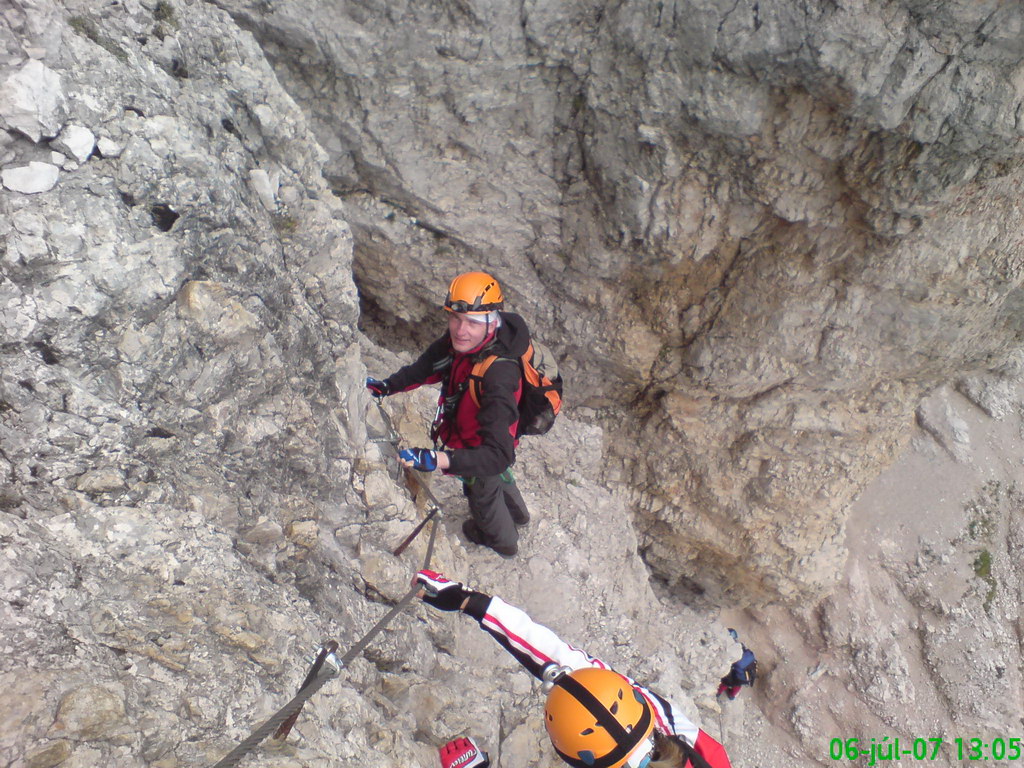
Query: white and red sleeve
(535, 646)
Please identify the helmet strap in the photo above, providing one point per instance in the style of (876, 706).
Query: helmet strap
(626, 741)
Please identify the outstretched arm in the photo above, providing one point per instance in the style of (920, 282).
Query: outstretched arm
(534, 646)
(531, 644)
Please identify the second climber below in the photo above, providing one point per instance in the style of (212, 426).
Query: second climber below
(478, 441)
(595, 717)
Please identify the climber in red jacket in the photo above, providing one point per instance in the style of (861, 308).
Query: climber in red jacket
(479, 439)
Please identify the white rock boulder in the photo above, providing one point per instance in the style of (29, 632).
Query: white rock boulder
(30, 179)
(109, 147)
(76, 141)
(32, 101)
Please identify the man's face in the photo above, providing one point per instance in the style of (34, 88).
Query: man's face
(466, 334)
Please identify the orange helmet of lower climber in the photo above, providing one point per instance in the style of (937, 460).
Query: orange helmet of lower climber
(474, 293)
(596, 719)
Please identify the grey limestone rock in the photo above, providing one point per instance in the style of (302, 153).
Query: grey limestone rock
(77, 141)
(756, 235)
(30, 179)
(768, 229)
(32, 100)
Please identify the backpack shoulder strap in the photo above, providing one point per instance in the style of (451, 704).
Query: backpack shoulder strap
(476, 375)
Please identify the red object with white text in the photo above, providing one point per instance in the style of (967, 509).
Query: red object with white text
(463, 753)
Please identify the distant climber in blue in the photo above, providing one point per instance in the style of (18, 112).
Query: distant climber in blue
(742, 672)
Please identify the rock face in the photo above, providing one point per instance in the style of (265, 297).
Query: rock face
(188, 498)
(763, 231)
(159, 328)
(756, 235)
(921, 637)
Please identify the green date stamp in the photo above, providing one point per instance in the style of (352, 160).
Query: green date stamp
(888, 749)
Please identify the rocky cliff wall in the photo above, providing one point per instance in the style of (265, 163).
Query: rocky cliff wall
(189, 501)
(757, 232)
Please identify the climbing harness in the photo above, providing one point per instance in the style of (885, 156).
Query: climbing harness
(446, 405)
(327, 665)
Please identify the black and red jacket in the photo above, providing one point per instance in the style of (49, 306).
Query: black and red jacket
(480, 441)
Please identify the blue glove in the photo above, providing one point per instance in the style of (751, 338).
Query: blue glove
(378, 388)
(423, 459)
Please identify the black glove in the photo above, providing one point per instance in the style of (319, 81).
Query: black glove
(378, 388)
(441, 593)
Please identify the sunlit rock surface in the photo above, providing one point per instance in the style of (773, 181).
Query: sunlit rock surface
(755, 235)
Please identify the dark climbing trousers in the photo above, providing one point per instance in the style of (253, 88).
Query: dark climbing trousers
(496, 506)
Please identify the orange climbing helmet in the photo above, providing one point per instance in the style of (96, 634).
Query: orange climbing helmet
(596, 719)
(474, 293)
